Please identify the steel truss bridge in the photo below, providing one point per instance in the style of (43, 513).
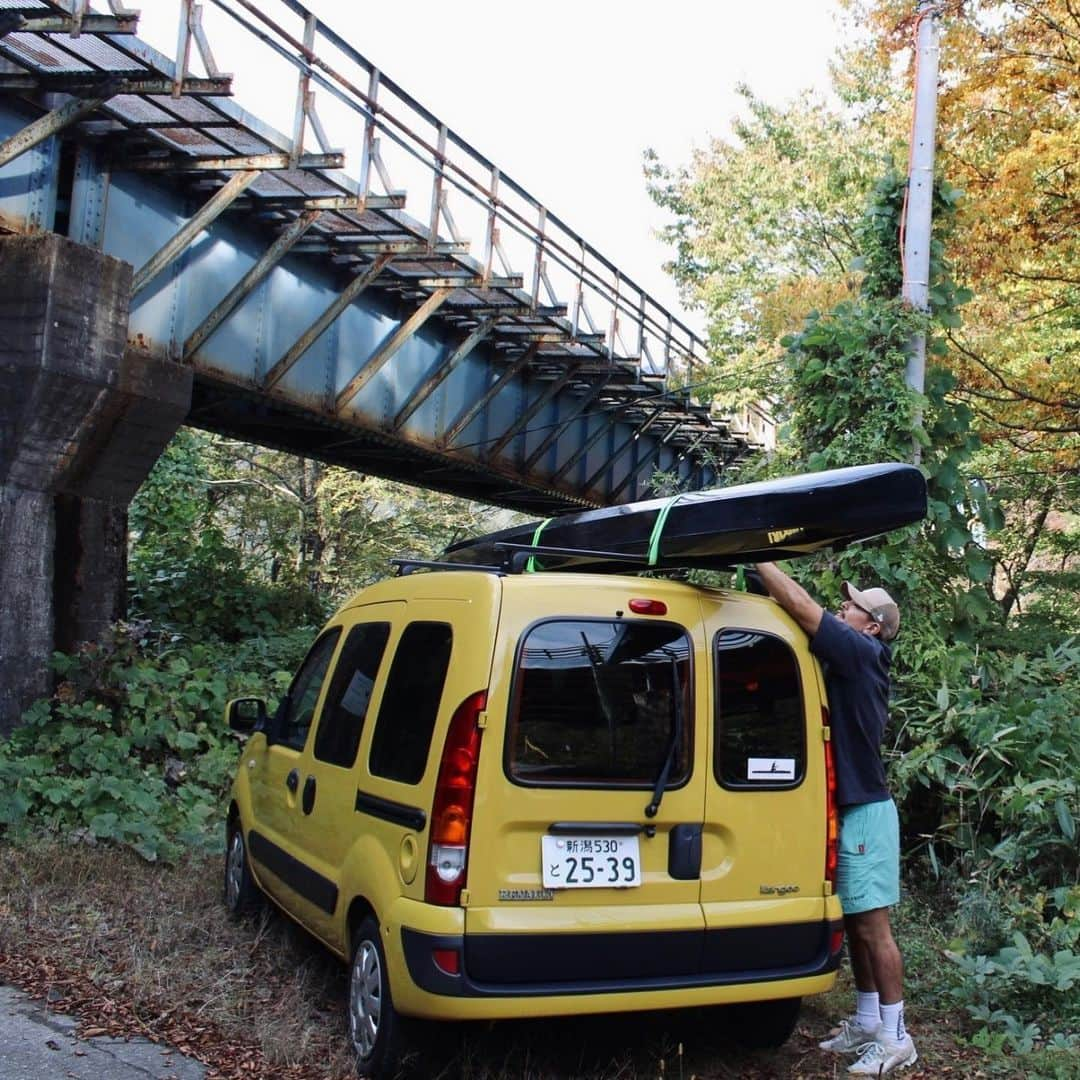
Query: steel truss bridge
(317, 314)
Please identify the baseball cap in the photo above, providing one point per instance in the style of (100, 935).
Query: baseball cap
(878, 604)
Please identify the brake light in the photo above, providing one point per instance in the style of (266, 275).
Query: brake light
(642, 606)
(451, 811)
(832, 820)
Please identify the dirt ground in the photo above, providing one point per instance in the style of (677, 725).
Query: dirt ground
(131, 948)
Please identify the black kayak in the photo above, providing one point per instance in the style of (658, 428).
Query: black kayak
(720, 528)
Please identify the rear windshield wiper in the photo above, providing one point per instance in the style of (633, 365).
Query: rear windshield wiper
(602, 694)
(673, 747)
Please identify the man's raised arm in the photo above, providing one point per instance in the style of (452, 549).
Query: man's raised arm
(791, 596)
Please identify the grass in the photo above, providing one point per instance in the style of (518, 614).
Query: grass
(135, 948)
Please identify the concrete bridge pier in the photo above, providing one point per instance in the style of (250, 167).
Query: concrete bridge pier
(82, 421)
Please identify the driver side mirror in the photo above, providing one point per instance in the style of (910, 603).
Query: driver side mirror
(246, 714)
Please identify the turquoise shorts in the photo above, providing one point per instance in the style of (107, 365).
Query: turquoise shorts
(868, 869)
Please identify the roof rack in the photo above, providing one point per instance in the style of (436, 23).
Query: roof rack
(521, 555)
(409, 566)
(516, 559)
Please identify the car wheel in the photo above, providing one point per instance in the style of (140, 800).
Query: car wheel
(376, 1030)
(242, 895)
(761, 1025)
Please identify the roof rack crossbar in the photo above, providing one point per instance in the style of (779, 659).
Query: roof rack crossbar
(408, 566)
(521, 553)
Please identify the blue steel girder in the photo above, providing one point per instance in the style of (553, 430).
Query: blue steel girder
(320, 317)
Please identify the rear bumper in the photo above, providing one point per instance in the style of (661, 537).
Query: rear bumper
(560, 965)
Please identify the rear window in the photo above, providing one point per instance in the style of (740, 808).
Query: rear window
(596, 703)
(760, 718)
(402, 738)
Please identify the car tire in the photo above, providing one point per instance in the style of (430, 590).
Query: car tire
(242, 895)
(762, 1025)
(376, 1030)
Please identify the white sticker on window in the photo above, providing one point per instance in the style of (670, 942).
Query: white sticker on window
(769, 768)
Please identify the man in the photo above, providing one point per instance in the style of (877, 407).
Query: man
(853, 646)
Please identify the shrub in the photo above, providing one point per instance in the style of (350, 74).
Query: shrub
(132, 748)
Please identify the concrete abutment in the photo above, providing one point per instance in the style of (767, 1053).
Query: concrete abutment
(82, 421)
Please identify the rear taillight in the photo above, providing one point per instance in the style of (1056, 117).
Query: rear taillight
(451, 812)
(832, 820)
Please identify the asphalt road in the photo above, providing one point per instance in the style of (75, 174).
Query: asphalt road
(39, 1045)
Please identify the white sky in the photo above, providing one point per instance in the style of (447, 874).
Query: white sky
(562, 96)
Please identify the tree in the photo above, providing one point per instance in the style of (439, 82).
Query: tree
(226, 534)
(765, 225)
(1009, 135)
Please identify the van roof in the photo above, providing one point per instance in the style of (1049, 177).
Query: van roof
(482, 585)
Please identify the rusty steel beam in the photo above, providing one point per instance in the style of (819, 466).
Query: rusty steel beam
(580, 452)
(52, 123)
(645, 462)
(550, 337)
(361, 243)
(591, 481)
(91, 23)
(251, 280)
(261, 162)
(323, 322)
(522, 421)
(515, 310)
(560, 427)
(688, 450)
(442, 371)
(357, 204)
(486, 398)
(89, 82)
(396, 340)
(216, 205)
(467, 282)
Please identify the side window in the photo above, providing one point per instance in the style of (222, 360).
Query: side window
(299, 706)
(601, 703)
(760, 718)
(338, 734)
(399, 747)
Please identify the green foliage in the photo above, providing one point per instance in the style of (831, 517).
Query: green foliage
(999, 748)
(132, 748)
(988, 775)
(847, 402)
(185, 571)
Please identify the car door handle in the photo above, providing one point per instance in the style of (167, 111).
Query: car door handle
(308, 801)
(292, 781)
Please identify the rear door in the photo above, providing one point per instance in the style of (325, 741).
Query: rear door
(763, 857)
(575, 875)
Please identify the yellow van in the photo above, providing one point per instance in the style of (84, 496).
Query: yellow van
(501, 793)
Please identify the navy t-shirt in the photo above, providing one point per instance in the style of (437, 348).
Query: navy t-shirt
(857, 682)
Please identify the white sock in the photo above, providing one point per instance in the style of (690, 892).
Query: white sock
(866, 1010)
(892, 1016)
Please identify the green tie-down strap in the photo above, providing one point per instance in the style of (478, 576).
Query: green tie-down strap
(658, 528)
(530, 565)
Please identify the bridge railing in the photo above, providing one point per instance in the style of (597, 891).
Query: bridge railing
(511, 235)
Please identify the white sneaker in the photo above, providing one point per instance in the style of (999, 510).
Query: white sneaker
(879, 1058)
(850, 1037)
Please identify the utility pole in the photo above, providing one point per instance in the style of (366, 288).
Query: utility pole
(920, 195)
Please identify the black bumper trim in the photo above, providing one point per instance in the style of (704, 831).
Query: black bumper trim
(396, 813)
(308, 883)
(548, 965)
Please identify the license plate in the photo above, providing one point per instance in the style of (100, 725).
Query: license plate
(590, 862)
